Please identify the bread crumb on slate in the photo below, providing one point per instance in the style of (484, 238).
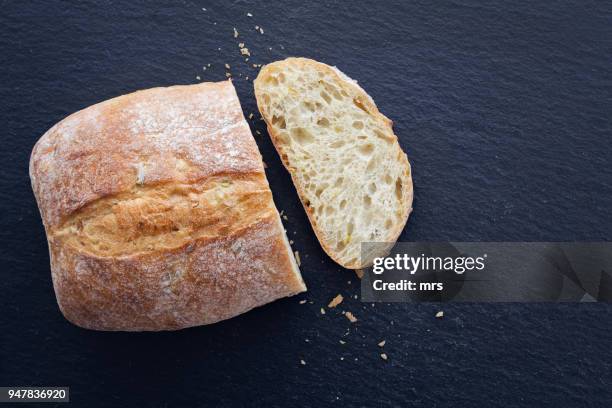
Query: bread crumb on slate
(261, 30)
(235, 33)
(342, 342)
(303, 301)
(297, 258)
(383, 356)
(322, 311)
(302, 362)
(198, 77)
(250, 115)
(382, 343)
(227, 66)
(249, 15)
(285, 218)
(290, 242)
(228, 74)
(440, 314)
(351, 317)
(335, 301)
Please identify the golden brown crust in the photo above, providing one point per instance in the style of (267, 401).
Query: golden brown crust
(367, 104)
(158, 212)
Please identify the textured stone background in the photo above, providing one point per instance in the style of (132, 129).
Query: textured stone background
(504, 109)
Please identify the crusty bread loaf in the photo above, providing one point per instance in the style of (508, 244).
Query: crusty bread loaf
(158, 212)
(351, 174)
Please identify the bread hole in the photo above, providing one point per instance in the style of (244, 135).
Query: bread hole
(362, 137)
(383, 136)
(371, 164)
(388, 223)
(329, 210)
(266, 99)
(324, 122)
(319, 192)
(302, 136)
(360, 105)
(358, 124)
(344, 93)
(337, 144)
(338, 129)
(367, 201)
(339, 182)
(308, 105)
(326, 97)
(279, 121)
(398, 188)
(388, 179)
(307, 203)
(372, 188)
(366, 149)
(281, 77)
(342, 204)
(272, 81)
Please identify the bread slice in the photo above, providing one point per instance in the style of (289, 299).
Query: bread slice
(350, 172)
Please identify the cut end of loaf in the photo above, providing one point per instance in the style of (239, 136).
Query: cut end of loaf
(352, 176)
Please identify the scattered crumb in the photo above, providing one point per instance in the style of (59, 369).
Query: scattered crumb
(440, 314)
(261, 30)
(235, 33)
(290, 242)
(227, 66)
(342, 342)
(351, 317)
(322, 311)
(203, 9)
(246, 79)
(383, 356)
(257, 27)
(302, 362)
(251, 115)
(228, 75)
(297, 258)
(382, 343)
(208, 65)
(245, 51)
(258, 132)
(285, 218)
(341, 358)
(303, 301)
(335, 301)
(203, 68)
(359, 273)
(254, 65)
(249, 15)
(198, 77)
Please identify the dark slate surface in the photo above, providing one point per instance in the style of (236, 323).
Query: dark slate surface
(505, 111)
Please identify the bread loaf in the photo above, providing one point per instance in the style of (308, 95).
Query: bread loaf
(158, 213)
(350, 172)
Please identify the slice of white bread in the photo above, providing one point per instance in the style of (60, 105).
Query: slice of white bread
(350, 172)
